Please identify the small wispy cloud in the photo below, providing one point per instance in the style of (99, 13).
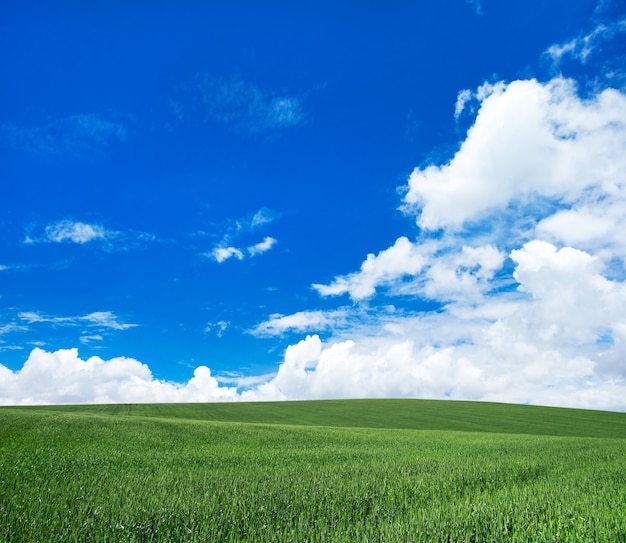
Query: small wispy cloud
(477, 5)
(583, 46)
(11, 348)
(461, 100)
(226, 249)
(261, 247)
(91, 338)
(261, 217)
(81, 233)
(77, 135)
(237, 104)
(11, 327)
(76, 232)
(221, 254)
(302, 321)
(218, 328)
(98, 319)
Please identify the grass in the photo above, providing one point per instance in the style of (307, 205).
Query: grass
(371, 470)
(387, 414)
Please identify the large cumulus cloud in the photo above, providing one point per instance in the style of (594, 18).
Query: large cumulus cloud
(520, 242)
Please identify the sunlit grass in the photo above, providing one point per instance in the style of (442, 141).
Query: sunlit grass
(150, 474)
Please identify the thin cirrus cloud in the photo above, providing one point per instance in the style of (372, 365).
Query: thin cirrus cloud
(259, 218)
(97, 319)
(339, 322)
(82, 233)
(302, 321)
(79, 134)
(477, 5)
(239, 105)
(583, 46)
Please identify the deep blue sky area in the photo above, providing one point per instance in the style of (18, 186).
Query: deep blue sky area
(175, 174)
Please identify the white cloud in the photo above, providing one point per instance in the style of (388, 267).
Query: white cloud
(592, 226)
(573, 301)
(401, 259)
(546, 347)
(461, 275)
(97, 319)
(461, 101)
(218, 327)
(262, 247)
(302, 321)
(105, 319)
(225, 250)
(529, 140)
(11, 327)
(63, 377)
(91, 338)
(4, 347)
(583, 46)
(256, 220)
(430, 269)
(81, 233)
(504, 367)
(221, 254)
(540, 177)
(77, 232)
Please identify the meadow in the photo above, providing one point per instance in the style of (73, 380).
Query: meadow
(355, 470)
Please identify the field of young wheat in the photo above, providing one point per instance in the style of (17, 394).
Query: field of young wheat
(362, 471)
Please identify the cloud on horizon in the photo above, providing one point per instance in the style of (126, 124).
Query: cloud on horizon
(62, 377)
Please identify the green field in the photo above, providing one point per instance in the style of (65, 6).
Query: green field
(356, 470)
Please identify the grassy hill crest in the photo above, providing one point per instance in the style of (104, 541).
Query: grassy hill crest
(448, 415)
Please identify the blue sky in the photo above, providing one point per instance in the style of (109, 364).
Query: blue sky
(207, 202)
